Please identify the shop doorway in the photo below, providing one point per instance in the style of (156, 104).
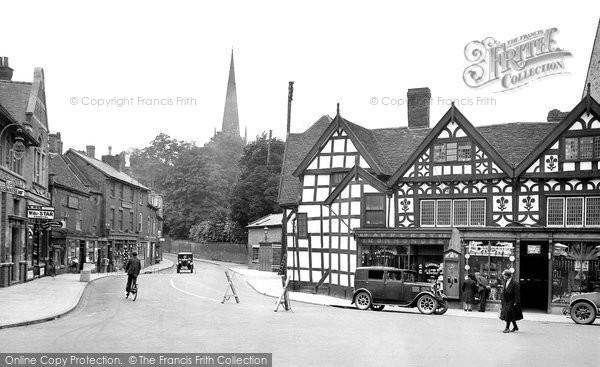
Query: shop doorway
(534, 275)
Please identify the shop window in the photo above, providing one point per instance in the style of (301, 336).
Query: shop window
(444, 213)
(302, 221)
(573, 212)
(374, 212)
(490, 258)
(427, 213)
(575, 269)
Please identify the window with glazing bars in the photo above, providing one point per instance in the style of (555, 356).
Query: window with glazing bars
(427, 213)
(302, 224)
(592, 211)
(477, 212)
(574, 212)
(444, 213)
(374, 210)
(461, 213)
(556, 212)
(464, 151)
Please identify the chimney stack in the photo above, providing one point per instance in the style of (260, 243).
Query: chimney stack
(90, 151)
(115, 161)
(55, 144)
(419, 100)
(556, 115)
(6, 72)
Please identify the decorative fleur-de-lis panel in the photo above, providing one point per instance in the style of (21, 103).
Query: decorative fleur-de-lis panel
(529, 203)
(551, 163)
(502, 203)
(405, 205)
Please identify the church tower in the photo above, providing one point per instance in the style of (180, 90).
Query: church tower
(231, 122)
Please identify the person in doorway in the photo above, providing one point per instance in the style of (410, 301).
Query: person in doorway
(132, 268)
(468, 289)
(511, 311)
(483, 289)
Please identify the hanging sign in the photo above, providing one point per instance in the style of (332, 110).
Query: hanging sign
(40, 212)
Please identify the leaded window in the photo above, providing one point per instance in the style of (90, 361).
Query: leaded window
(444, 213)
(556, 216)
(574, 212)
(592, 211)
(583, 148)
(464, 151)
(302, 222)
(461, 213)
(374, 210)
(477, 213)
(428, 213)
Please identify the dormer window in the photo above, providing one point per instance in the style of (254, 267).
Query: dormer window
(452, 152)
(582, 148)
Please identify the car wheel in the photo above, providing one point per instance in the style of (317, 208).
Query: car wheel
(377, 307)
(363, 301)
(427, 304)
(442, 308)
(583, 313)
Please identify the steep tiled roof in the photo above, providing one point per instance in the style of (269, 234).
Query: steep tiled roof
(64, 175)
(514, 141)
(366, 137)
(593, 74)
(267, 221)
(296, 148)
(14, 97)
(398, 144)
(109, 170)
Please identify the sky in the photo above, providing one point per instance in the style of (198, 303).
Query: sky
(166, 63)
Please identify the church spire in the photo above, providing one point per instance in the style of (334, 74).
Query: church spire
(231, 122)
(593, 75)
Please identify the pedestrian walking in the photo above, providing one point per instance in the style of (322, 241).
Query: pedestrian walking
(511, 311)
(469, 288)
(483, 289)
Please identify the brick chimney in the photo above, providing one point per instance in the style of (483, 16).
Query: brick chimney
(556, 115)
(90, 151)
(6, 72)
(55, 144)
(419, 100)
(114, 161)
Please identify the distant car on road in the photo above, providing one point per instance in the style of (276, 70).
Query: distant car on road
(185, 260)
(584, 307)
(377, 286)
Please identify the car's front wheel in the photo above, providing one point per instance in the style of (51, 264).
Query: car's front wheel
(442, 308)
(583, 313)
(377, 307)
(363, 301)
(427, 304)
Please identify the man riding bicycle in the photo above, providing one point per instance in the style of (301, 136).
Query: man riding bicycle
(132, 268)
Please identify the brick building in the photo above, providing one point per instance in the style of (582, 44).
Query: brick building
(23, 174)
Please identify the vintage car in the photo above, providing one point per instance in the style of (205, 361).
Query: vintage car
(377, 286)
(583, 307)
(185, 260)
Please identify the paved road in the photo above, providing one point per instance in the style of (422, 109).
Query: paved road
(183, 313)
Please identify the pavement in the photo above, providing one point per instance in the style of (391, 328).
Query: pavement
(47, 298)
(269, 284)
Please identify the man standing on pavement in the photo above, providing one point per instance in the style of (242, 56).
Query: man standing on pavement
(132, 268)
(483, 287)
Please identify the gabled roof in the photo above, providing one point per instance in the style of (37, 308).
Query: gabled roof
(588, 103)
(453, 114)
(271, 220)
(296, 148)
(362, 139)
(355, 172)
(64, 175)
(397, 144)
(108, 170)
(14, 97)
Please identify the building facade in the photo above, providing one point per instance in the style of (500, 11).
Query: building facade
(448, 200)
(23, 175)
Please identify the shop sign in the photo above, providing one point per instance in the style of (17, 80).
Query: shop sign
(29, 274)
(534, 249)
(497, 249)
(582, 265)
(40, 212)
(9, 187)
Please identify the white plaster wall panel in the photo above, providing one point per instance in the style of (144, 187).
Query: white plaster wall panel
(355, 208)
(586, 117)
(326, 261)
(495, 168)
(499, 219)
(290, 224)
(293, 274)
(391, 211)
(585, 166)
(345, 193)
(316, 275)
(344, 262)
(554, 146)
(345, 208)
(335, 225)
(324, 162)
(576, 126)
(457, 170)
(352, 278)
(309, 180)
(352, 264)
(350, 162)
(305, 274)
(303, 258)
(447, 170)
(308, 195)
(350, 148)
(354, 223)
(313, 164)
(460, 133)
(370, 189)
(444, 135)
(352, 246)
(334, 262)
(335, 242)
(315, 241)
(326, 226)
(550, 163)
(569, 166)
(327, 147)
(291, 241)
(355, 191)
(438, 170)
(575, 184)
(595, 125)
(405, 204)
(290, 260)
(334, 278)
(467, 169)
(314, 226)
(302, 242)
(344, 280)
(410, 171)
(423, 171)
(534, 167)
(311, 211)
(338, 146)
(344, 242)
(343, 133)
(338, 161)
(323, 180)
(325, 241)
(364, 163)
(322, 193)
(316, 261)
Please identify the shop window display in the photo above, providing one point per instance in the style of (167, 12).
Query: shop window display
(575, 269)
(490, 258)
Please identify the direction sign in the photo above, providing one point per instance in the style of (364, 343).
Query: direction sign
(40, 212)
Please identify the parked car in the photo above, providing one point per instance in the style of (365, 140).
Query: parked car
(584, 307)
(378, 286)
(185, 260)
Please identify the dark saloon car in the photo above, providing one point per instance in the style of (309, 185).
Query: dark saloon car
(377, 286)
(185, 260)
(584, 307)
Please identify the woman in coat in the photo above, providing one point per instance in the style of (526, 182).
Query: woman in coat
(469, 288)
(511, 302)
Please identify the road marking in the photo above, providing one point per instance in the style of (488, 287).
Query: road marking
(192, 294)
